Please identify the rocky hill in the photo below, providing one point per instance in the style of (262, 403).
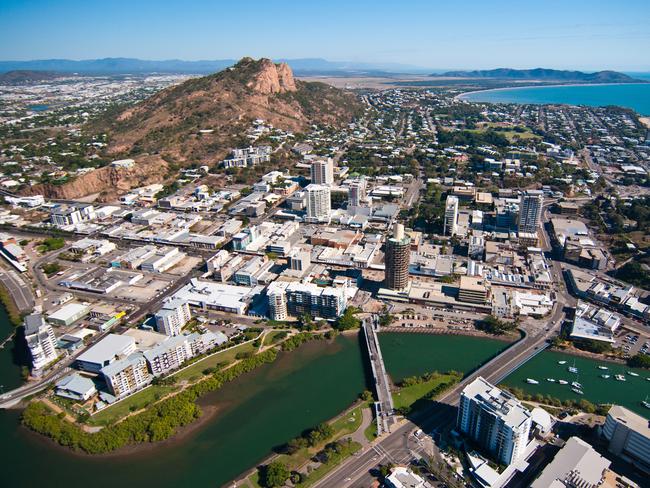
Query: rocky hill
(169, 123)
(543, 74)
(18, 77)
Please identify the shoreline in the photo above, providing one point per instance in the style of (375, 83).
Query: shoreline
(461, 96)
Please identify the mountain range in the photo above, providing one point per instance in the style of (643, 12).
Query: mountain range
(115, 66)
(543, 74)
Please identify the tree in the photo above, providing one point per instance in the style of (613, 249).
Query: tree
(493, 325)
(348, 321)
(274, 474)
(639, 361)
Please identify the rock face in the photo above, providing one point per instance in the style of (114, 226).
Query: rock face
(108, 181)
(169, 123)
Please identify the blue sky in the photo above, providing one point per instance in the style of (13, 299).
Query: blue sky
(578, 34)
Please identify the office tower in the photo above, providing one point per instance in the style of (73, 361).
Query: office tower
(530, 211)
(322, 172)
(318, 203)
(357, 193)
(495, 420)
(398, 253)
(451, 216)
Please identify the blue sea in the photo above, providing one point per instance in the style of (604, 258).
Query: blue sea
(634, 95)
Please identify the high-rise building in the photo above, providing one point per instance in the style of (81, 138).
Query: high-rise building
(398, 254)
(41, 341)
(357, 194)
(319, 204)
(451, 216)
(276, 295)
(127, 375)
(530, 211)
(298, 299)
(172, 317)
(322, 172)
(495, 420)
(628, 436)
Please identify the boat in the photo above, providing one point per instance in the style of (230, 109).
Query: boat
(632, 373)
(606, 376)
(603, 367)
(532, 381)
(550, 380)
(573, 369)
(561, 362)
(619, 377)
(575, 384)
(645, 402)
(563, 382)
(577, 390)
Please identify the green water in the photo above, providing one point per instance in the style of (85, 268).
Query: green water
(416, 354)
(257, 412)
(627, 393)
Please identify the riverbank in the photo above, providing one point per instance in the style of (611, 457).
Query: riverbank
(10, 306)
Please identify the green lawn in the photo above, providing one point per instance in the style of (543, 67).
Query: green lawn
(228, 355)
(347, 424)
(273, 337)
(371, 431)
(407, 396)
(334, 461)
(137, 401)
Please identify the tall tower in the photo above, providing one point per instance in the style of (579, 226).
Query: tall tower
(319, 204)
(357, 192)
(398, 254)
(451, 215)
(322, 172)
(530, 211)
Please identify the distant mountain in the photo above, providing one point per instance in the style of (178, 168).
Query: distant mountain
(115, 66)
(543, 74)
(26, 76)
(170, 122)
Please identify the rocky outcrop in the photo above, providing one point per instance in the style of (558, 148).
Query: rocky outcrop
(108, 182)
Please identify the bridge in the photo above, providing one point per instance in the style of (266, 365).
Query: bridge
(384, 405)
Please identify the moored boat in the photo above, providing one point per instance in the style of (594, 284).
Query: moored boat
(619, 377)
(563, 382)
(606, 376)
(561, 362)
(603, 367)
(632, 373)
(532, 381)
(550, 380)
(577, 390)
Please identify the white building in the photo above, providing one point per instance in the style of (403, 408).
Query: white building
(75, 387)
(451, 216)
(594, 323)
(577, 464)
(217, 296)
(495, 420)
(127, 375)
(41, 341)
(69, 314)
(169, 355)
(172, 317)
(276, 295)
(110, 349)
(530, 211)
(628, 435)
(319, 204)
(403, 477)
(322, 172)
(357, 194)
(64, 215)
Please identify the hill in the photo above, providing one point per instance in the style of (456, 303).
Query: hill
(17, 77)
(543, 74)
(226, 102)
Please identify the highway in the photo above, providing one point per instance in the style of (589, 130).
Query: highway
(20, 291)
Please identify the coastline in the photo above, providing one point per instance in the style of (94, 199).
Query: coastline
(461, 96)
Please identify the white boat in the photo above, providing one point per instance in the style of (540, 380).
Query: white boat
(563, 382)
(575, 384)
(577, 390)
(619, 377)
(573, 369)
(645, 402)
(632, 373)
(532, 381)
(603, 367)
(606, 376)
(561, 362)
(550, 380)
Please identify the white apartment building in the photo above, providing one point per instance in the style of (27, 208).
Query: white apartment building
(322, 172)
(172, 317)
(530, 211)
(319, 204)
(628, 435)
(495, 420)
(64, 215)
(357, 194)
(168, 355)
(276, 294)
(451, 216)
(41, 341)
(127, 375)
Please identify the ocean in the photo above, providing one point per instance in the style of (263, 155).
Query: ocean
(634, 95)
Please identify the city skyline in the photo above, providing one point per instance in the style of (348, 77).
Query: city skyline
(581, 35)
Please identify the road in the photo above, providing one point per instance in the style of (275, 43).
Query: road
(20, 291)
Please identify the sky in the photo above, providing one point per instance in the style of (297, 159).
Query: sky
(436, 34)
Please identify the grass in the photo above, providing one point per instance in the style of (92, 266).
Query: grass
(407, 396)
(227, 355)
(322, 470)
(371, 431)
(134, 402)
(273, 337)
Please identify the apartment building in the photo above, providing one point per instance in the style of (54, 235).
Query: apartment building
(172, 317)
(41, 341)
(127, 375)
